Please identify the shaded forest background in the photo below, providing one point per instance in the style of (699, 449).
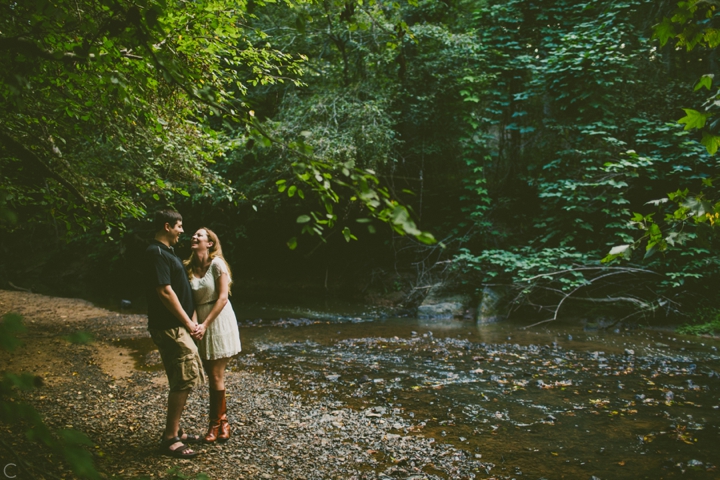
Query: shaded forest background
(365, 150)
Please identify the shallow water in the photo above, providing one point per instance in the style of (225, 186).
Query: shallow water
(555, 401)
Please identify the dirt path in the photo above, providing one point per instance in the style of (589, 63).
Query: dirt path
(49, 319)
(95, 388)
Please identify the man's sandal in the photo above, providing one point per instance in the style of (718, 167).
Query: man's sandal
(189, 437)
(179, 452)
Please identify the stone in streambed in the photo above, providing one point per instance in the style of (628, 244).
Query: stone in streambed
(439, 303)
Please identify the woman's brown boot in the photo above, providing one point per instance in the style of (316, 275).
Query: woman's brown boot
(224, 431)
(214, 426)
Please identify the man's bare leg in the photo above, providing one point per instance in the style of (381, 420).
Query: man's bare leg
(176, 405)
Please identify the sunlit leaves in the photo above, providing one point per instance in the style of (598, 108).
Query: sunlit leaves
(128, 91)
(694, 119)
(705, 81)
(688, 24)
(711, 142)
(348, 235)
(664, 31)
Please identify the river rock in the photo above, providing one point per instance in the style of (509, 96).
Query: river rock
(441, 304)
(491, 308)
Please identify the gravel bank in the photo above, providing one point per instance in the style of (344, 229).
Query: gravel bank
(277, 435)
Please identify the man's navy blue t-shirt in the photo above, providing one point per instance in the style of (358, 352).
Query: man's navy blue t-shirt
(163, 267)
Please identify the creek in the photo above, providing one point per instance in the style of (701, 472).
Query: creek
(561, 400)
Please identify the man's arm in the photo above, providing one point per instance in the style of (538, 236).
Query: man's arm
(170, 300)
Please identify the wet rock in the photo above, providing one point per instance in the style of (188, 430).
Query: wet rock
(439, 303)
(492, 306)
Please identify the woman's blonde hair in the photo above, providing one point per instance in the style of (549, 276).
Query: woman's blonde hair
(213, 251)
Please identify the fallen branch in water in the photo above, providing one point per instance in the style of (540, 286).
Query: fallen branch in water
(643, 305)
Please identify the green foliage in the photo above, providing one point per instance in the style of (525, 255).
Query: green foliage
(705, 322)
(540, 131)
(528, 267)
(575, 138)
(341, 130)
(10, 326)
(684, 217)
(111, 109)
(71, 445)
(105, 107)
(690, 24)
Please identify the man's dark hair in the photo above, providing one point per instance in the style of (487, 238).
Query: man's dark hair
(165, 216)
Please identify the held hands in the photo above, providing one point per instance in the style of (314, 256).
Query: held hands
(199, 332)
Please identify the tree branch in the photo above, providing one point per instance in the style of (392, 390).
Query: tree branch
(19, 151)
(619, 269)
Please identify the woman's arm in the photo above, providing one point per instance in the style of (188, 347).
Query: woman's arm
(222, 285)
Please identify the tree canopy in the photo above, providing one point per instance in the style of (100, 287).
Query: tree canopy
(529, 137)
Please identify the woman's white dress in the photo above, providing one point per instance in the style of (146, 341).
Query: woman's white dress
(222, 337)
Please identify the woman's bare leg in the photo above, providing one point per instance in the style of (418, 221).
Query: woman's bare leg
(216, 372)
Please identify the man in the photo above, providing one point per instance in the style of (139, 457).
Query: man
(171, 321)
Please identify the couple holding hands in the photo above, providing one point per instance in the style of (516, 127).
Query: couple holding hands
(192, 324)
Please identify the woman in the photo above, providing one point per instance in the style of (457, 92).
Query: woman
(217, 333)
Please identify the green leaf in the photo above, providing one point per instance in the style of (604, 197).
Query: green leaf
(292, 190)
(292, 243)
(303, 219)
(426, 238)
(694, 119)
(664, 31)
(705, 81)
(711, 142)
(348, 235)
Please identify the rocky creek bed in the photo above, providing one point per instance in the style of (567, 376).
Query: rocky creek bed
(333, 391)
(95, 389)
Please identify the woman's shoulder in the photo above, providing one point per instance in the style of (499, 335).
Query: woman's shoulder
(220, 263)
